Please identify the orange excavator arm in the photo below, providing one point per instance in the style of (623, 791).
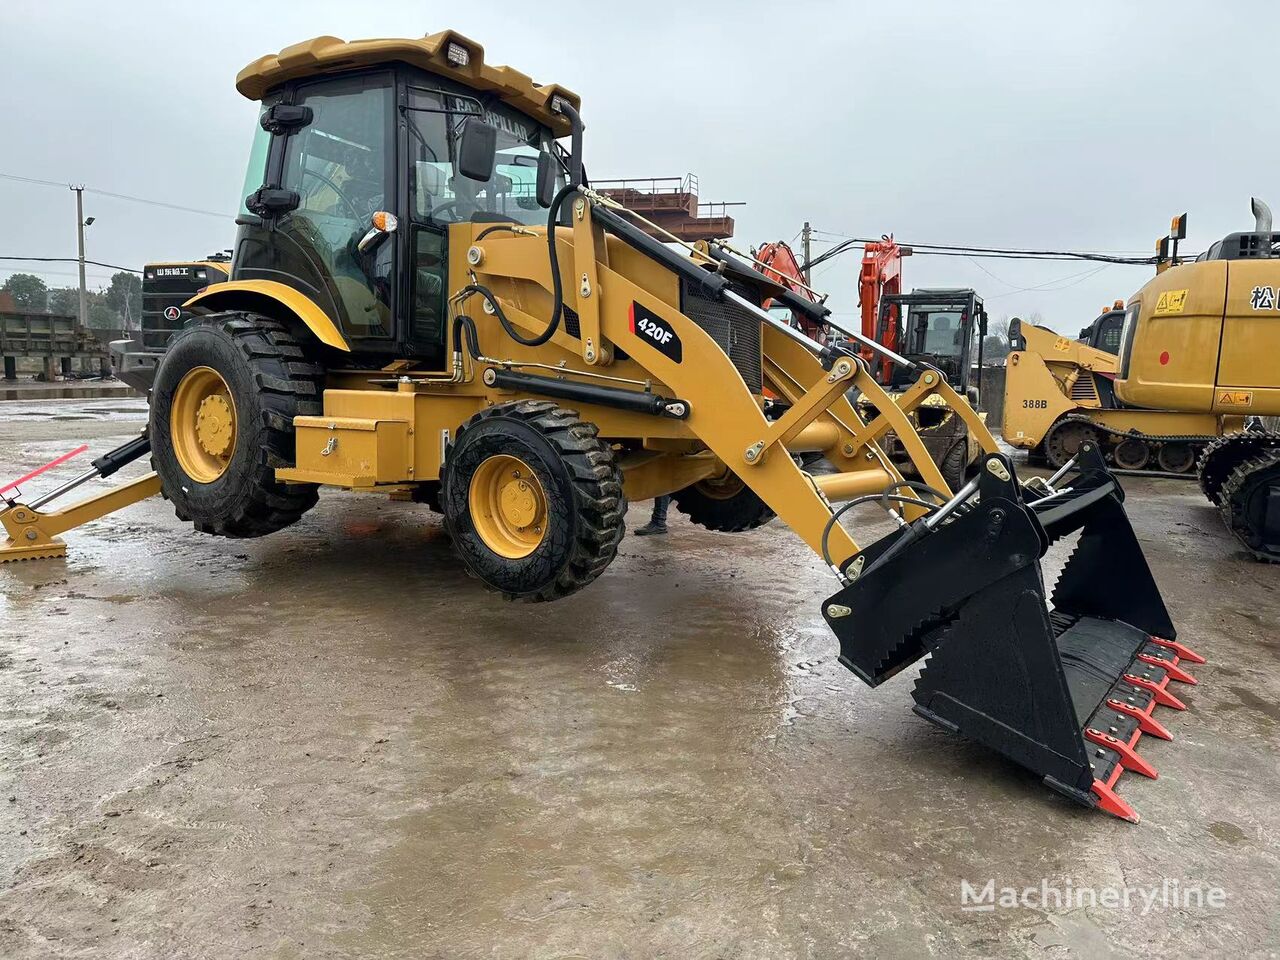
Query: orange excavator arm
(779, 264)
(881, 276)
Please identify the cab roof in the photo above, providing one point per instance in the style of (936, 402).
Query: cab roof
(332, 55)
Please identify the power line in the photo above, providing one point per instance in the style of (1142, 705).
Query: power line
(845, 236)
(54, 273)
(96, 263)
(121, 196)
(994, 253)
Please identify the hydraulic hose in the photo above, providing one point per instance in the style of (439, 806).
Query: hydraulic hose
(557, 310)
(883, 498)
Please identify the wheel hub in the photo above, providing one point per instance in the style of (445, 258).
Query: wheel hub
(202, 424)
(213, 425)
(508, 506)
(519, 505)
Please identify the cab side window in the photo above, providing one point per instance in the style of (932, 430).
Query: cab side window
(340, 165)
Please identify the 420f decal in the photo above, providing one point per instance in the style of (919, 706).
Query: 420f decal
(655, 331)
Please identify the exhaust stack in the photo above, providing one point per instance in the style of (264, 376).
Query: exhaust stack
(1261, 215)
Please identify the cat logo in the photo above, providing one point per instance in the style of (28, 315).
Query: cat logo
(1235, 398)
(1170, 302)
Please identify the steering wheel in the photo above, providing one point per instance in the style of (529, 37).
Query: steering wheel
(449, 205)
(336, 190)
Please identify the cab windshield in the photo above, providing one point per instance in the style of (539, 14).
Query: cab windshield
(441, 194)
(935, 331)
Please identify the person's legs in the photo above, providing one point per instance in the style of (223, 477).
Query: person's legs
(658, 521)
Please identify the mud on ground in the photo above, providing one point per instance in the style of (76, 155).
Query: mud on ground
(332, 743)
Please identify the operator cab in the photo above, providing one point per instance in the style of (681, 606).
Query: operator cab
(355, 178)
(941, 328)
(1104, 333)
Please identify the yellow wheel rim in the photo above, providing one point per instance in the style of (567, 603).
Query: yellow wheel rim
(508, 506)
(724, 487)
(202, 424)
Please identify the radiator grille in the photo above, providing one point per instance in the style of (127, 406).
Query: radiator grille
(733, 327)
(1084, 388)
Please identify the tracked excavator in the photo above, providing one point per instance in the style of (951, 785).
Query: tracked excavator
(1204, 337)
(1061, 392)
(428, 302)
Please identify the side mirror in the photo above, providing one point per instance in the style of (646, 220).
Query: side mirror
(546, 184)
(478, 150)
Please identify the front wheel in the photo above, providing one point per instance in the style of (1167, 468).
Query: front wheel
(533, 500)
(222, 408)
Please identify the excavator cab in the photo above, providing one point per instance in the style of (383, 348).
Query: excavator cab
(944, 328)
(1203, 337)
(429, 303)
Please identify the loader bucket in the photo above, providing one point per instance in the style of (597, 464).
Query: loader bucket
(1063, 682)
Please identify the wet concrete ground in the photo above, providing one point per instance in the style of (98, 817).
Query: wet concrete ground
(332, 743)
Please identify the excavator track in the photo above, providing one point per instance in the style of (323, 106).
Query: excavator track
(1220, 459)
(1198, 445)
(1250, 503)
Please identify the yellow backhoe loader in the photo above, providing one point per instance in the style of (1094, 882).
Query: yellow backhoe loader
(428, 302)
(1204, 337)
(1059, 392)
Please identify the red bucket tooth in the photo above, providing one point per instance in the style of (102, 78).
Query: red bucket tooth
(1170, 667)
(1109, 801)
(1146, 722)
(1183, 653)
(1129, 758)
(1157, 690)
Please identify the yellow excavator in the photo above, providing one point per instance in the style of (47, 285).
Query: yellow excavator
(1203, 337)
(1060, 392)
(429, 302)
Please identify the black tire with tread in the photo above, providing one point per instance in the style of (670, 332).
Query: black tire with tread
(955, 465)
(739, 511)
(581, 481)
(272, 381)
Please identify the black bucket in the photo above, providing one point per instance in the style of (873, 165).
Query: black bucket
(1064, 684)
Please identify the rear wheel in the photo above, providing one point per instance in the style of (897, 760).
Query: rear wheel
(222, 408)
(725, 504)
(533, 500)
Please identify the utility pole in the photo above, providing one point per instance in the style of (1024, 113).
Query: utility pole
(84, 292)
(805, 235)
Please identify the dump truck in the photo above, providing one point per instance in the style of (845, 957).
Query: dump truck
(166, 286)
(1060, 392)
(428, 302)
(1203, 337)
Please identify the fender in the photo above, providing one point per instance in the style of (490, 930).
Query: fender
(250, 294)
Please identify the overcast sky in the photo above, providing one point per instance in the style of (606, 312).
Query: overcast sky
(1077, 125)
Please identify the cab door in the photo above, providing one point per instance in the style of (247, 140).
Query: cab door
(341, 166)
